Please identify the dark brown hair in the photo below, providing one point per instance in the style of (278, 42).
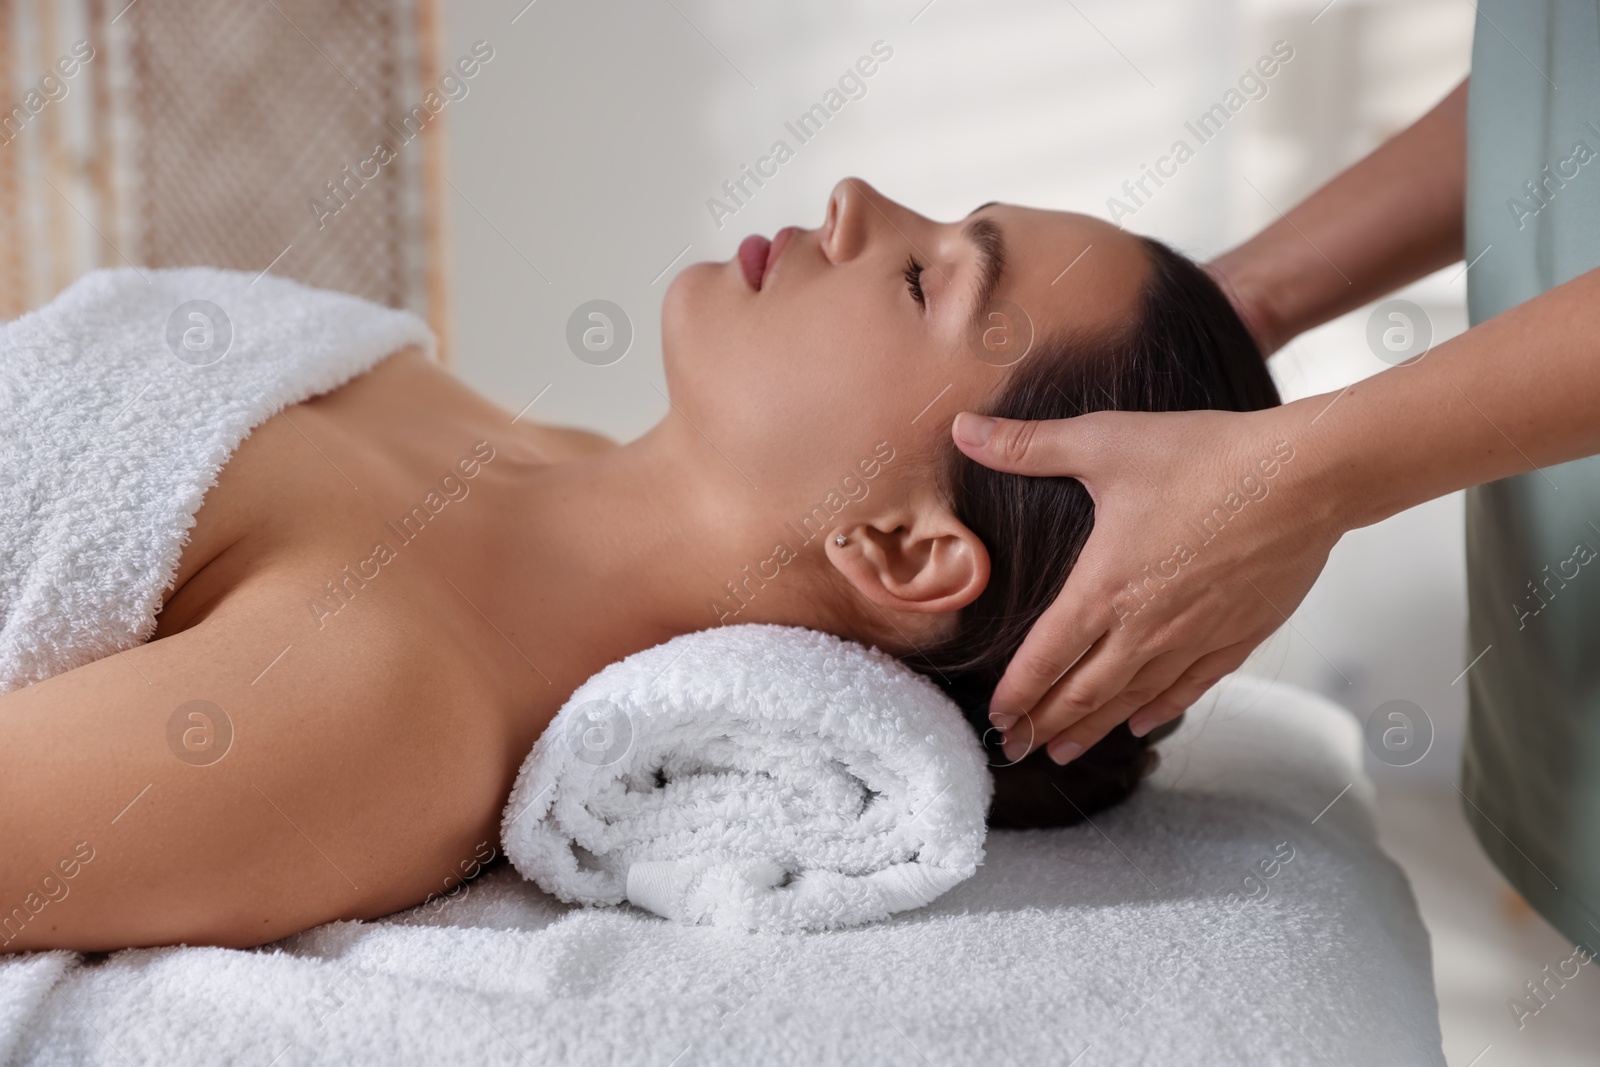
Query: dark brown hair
(1185, 348)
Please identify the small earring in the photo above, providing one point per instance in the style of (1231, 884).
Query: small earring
(839, 540)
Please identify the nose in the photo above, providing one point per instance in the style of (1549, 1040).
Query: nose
(855, 211)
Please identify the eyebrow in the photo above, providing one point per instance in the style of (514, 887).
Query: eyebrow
(990, 246)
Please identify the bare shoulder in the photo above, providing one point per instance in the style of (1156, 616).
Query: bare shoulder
(410, 371)
(561, 443)
(247, 778)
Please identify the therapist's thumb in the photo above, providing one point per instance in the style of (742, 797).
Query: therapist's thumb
(1058, 447)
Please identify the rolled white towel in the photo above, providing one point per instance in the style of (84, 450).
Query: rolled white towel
(769, 777)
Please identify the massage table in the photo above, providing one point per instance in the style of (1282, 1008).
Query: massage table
(1237, 910)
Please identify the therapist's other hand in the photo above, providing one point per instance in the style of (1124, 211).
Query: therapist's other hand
(1208, 533)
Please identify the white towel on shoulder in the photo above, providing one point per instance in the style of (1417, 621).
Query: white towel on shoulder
(120, 402)
(768, 777)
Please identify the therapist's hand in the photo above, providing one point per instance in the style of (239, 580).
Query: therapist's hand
(1209, 530)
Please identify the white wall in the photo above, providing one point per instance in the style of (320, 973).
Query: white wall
(592, 141)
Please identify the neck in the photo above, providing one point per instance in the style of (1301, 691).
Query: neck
(624, 549)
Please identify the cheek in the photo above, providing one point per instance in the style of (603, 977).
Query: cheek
(741, 360)
(796, 389)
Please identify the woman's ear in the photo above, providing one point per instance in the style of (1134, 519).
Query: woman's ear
(920, 560)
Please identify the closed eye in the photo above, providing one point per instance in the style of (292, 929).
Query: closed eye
(913, 278)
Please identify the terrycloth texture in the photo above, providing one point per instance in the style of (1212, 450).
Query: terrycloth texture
(767, 777)
(109, 440)
(1170, 933)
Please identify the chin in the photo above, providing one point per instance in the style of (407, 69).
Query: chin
(692, 305)
(695, 298)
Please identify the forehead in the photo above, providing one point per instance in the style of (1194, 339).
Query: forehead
(1069, 271)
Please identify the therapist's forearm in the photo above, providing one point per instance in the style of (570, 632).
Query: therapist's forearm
(1517, 392)
(1387, 220)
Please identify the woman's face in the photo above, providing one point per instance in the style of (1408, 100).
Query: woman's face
(816, 377)
(797, 359)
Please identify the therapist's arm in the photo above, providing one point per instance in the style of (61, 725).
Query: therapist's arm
(1390, 219)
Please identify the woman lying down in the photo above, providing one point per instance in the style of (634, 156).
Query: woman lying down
(387, 721)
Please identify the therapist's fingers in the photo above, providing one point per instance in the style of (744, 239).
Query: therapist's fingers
(1071, 448)
(1206, 672)
(1063, 635)
(1081, 448)
(1071, 626)
(1083, 613)
(1066, 730)
(1207, 532)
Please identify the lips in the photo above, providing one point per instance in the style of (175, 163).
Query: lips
(753, 259)
(757, 255)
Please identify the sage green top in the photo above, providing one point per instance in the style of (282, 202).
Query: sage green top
(1531, 769)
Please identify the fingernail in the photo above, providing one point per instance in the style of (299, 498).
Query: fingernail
(1065, 751)
(1140, 727)
(974, 429)
(1001, 720)
(1014, 748)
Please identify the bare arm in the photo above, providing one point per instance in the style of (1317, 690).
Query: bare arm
(1517, 392)
(354, 784)
(1388, 220)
